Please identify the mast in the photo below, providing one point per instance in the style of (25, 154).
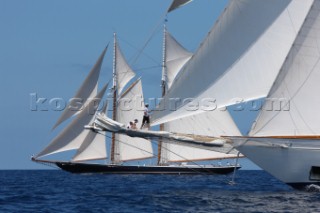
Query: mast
(164, 69)
(114, 105)
(163, 86)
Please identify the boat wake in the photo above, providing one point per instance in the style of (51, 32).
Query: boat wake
(312, 188)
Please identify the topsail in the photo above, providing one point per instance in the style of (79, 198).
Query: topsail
(176, 4)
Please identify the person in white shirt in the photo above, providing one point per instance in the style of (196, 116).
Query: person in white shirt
(146, 117)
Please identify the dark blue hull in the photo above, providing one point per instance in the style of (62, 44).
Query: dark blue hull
(120, 169)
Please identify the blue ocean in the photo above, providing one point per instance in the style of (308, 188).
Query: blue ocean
(59, 191)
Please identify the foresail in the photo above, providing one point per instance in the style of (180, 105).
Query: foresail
(291, 108)
(123, 71)
(175, 57)
(239, 59)
(87, 90)
(130, 107)
(74, 134)
(93, 147)
(215, 124)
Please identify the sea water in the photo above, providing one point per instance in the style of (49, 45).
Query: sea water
(59, 191)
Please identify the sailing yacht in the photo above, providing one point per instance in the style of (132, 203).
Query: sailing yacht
(90, 142)
(285, 140)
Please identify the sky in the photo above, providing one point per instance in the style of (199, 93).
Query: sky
(47, 48)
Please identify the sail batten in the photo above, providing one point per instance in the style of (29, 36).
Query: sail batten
(253, 62)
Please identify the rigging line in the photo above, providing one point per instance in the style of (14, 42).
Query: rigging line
(132, 146)
(156, 28)
(150, 152)
(147, 55)
(200, 166)
(194, 170)
(148, 68)
(53, 165)
(146, 43)
(232, 182)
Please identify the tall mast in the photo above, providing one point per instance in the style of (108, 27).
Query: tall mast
(164, 69)
(114, 111)
(163, 86)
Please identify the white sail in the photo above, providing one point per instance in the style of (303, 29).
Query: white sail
(215, 123)
(130, 107)
(92, 148)
(285, 139)
(87, 90)
(74, 134)
(94, 145)
(175, 57)
(240, 53)
(123, 71)
(298, 79)
(176, 4)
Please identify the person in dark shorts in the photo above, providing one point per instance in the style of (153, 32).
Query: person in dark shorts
(146, 117)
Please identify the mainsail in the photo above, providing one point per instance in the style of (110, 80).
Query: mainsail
(130, 107)
(127, 107)
(226, 67)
